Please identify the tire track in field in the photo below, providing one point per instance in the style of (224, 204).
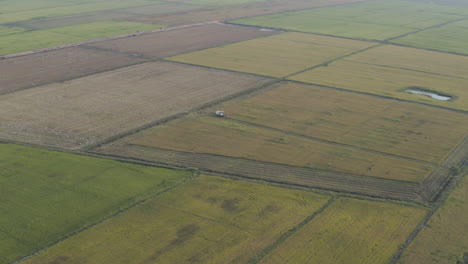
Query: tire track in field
(433, 186)
(272, 172)
(332, 142)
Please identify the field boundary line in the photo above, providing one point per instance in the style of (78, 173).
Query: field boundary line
(333, 60)
(379, 96)
(407, 69)
(175, 116)
(382, 42)
(427, 28)
(457, 158)
(303, 9)
(333, 142)
(260, 255)
(449, 187)
(14, 55)
(109, 217)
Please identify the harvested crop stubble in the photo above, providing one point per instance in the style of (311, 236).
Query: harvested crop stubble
(178, 41)
(53, 66)
(48, 195)
(83, 111)
(409, 130)
(375, 20)
(350, 231)
(208, 220)
(444, 238)
(276, 56)
(228, 138)
(390, 70)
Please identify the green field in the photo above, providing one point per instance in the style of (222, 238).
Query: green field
(208, 220)
(444, 238)
(11, 30)
(451, 38)
(380, 71)
(350, 231)
(276, 56)
(47, 195)
(32, 40)
(375, 20)
(14, 11)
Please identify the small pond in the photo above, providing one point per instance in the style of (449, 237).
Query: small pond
(433, 95)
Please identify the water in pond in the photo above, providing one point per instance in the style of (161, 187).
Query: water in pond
(430, 94)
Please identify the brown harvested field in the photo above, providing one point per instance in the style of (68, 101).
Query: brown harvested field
(178, 41)
(84, 111)
(399, 128)
(230, 12)
(36, 69)
(229, 138)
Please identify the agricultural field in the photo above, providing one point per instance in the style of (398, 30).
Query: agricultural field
(350, 231)
(178, 41)
(399, 128)
(108, 15)
(58, 65)
(277, 56)
(229, 12)
(83, 111)
(443, 239)
(48, 195)
(345, 131)
(378, 71)
(373, 20)
(229, 138)
(10, 30)
(38, 39)
(450, 38)
(15, 11)
(208, 220)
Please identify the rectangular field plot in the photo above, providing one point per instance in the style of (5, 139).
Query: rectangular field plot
(58, 65)
(233, 139)
(208, 220)
(276, 56)
(39, 39)
(350, 231)
(399, 128)
(451, 38)
(48, 195)
(83, 111)
(443, 239)
(375, 20)
(174, 42)
(228, 12)
(390, 71)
